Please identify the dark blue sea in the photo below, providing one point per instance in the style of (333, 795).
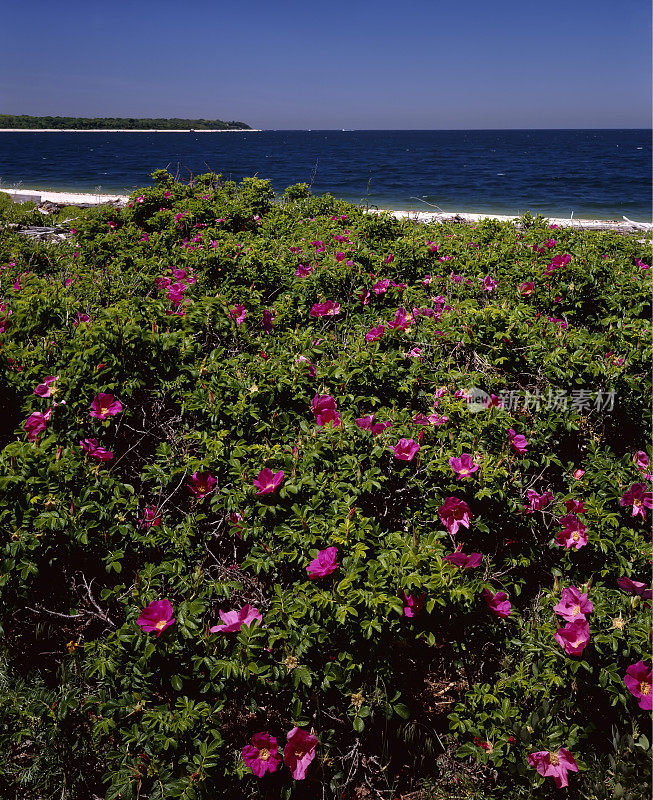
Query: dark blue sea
(592, 173)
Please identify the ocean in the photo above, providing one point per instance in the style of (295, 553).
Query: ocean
(601, 174)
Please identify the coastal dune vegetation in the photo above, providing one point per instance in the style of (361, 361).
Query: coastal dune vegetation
(300, 501)
(25, 122)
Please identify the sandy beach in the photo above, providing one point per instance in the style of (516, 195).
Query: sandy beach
(90, 199)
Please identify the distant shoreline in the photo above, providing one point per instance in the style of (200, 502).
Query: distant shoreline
(130, 130)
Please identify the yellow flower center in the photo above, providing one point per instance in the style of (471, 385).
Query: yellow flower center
(575, 536)
(160, 625)
(645, 688)
(576, 609)
(264, 754)
(299, 754)
(553, 759)
(464, 471)
(637, 502)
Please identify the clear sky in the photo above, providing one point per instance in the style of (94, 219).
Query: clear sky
(335, 64)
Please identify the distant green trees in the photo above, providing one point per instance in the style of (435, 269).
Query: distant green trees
(67, 123)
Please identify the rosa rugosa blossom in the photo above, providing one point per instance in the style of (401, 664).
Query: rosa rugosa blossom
(324, 564)
(554, 765)
(642, 463)
(638, 681)
(459, 559)
(489, 284)
(381, 287)
(311, 367)
(201, 484)
(537, 501)
(299, 752)
(463, 466)
(156, 617)
(79, 318)
(527, 288)
(374, 334)
(365, 423)
(151, 517)
(94, 450)
(402, 320)
(325, 410)
(326, 309)
(517, 441)
(105, 405)
(406, 449)
(498, 603)
(233, 621)
(454, 513)
(46, 389)
(573, 605)
(412, 605)
(303, 271)
(238, 313)
(266, 321)
(574, 534)
(435, 419)
(639, 498)
(36, 423)
(575, 506)
(635, 587)
(262, 754)
(268, 481)
(574, 637)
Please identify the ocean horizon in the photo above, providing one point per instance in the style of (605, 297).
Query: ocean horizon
(588, 173)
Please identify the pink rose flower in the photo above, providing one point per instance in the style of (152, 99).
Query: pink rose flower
(574, 533)
(105, 405)
(267, 481)
(324, 564)
(46, 389)
(262, 755)
(325, 410)
(517, 441)
(498, 603)
(639, 498)
(94, 450)
(299, 752)
(573, 605)
(374, 334)
(201, 484)
(156, 617)
(454, 513)
(463, 466)
(151, 517)
(642, 463)
(412, 605)
(638, 681)
(36, 423)
(537, 501)
(635, 587)
(459, 559)
(574, 637)
(326, 309)
(406, 449)
(238, 313)
(554, 765)
(527, 288)
(489, 284)
(234, 620)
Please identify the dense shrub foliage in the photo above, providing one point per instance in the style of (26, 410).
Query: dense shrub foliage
(298, 501)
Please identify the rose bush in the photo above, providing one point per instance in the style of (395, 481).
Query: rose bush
(209, 452)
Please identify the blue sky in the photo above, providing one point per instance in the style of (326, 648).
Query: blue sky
(336, 64)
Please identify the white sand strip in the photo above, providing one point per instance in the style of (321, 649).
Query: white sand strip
(63, 198)
(76, 198)
(129, 130)
(581, 224)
